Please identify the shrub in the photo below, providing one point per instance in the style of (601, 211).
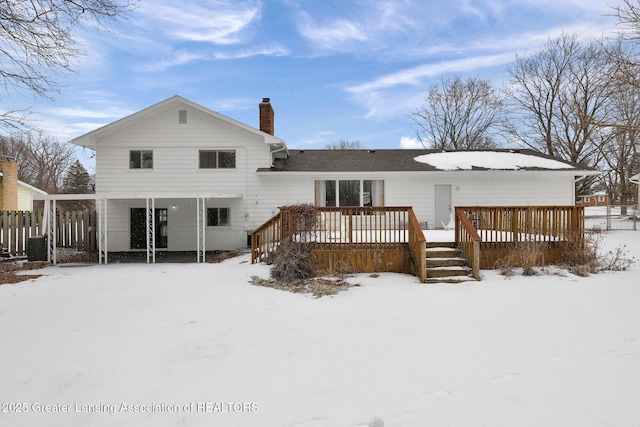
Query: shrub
(292, 261)
(581, 257)
(524, 255)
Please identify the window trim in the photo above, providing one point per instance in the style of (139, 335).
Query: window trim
(228, 224)
(376, 195)
(141, 167)
(217, 159)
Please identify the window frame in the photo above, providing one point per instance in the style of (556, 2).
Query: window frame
(217, 158)
(327, 192)
(140, 160)
(219, 209)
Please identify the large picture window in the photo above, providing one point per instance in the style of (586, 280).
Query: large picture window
(140, 159)
(217, 159)
(349, 192)
(217, 217)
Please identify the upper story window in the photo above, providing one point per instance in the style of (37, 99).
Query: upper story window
(350, 192)
(217, 159)
(141, 159)
(182, 116)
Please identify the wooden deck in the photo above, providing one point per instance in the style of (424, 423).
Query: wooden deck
(389, 239)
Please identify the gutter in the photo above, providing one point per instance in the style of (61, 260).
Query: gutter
(273, 152)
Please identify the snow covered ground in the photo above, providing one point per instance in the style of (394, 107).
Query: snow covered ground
(198, 345)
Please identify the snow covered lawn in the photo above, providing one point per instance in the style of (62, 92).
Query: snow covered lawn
(198, 345)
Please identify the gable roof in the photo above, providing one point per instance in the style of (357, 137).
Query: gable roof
(29, 186)
(421, 160)
(90, 139)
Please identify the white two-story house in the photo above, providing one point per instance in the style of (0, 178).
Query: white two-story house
(177, 176)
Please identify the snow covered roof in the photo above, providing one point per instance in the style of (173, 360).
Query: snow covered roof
(491, 160)
(420, 160)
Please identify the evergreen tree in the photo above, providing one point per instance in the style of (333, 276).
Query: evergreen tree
(78, 181)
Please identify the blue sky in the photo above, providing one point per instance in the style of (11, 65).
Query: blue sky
(334, 70)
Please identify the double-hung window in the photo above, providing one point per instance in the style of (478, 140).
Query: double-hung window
(349, 192)
(141, 159)
(217, 159)
(218, 217)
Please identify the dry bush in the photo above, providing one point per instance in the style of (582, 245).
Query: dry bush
(292, 258)
(581, 256)
(589, 257)
(524, 255)
(292, 261)
(300, 219)
(617, 259)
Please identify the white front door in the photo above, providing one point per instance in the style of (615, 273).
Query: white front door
(442, 205)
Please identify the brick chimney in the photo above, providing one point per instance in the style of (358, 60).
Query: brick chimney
(266, 117)
(8, 184)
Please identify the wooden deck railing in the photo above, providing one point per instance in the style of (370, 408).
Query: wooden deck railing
(367, 238)
(265, 238)
(417, 248)
(500, 227)
(526, 223)
(468, 240)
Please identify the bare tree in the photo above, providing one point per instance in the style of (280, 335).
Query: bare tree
(345, 145)
(37, 42)
(620, 139)
(556, 94)
(42, 161)
(459, 114)
(628, 12)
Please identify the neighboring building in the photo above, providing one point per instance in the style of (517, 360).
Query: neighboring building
(599, 198)
(15, 195)
(210, 179)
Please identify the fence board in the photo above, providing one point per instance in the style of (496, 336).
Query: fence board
(74, 230)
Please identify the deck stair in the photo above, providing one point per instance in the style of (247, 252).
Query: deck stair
(445, 264)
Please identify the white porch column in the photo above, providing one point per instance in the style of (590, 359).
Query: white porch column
(101, 206)
(201, 226)
(151, 230)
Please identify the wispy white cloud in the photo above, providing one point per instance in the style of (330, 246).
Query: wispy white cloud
(271, 50)
(367, 26)
(184, 57)
(332, 35)
(416, 76)
(221, 22)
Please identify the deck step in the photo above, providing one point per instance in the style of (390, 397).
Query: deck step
(445, 264)
(450, 279)
(443, 252)
(447, 271)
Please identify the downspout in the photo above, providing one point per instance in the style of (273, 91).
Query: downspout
(273, 157)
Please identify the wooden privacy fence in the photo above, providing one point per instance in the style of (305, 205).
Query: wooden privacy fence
(499, 229)
(74, 229)
(361, 239)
